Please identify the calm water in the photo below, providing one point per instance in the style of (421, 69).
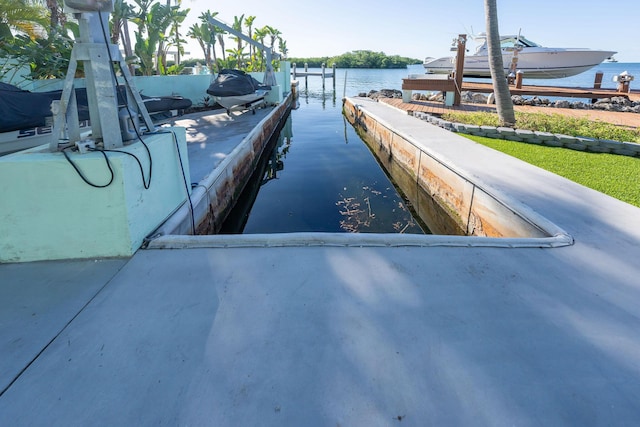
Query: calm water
(365, 80)
(321, 177)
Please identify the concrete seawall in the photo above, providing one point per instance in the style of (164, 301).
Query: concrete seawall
(475, 209)
(215, 195)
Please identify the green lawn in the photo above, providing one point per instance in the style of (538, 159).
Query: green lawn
(617, 176)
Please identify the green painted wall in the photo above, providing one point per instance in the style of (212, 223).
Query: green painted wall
(48, 212)
(193, 86)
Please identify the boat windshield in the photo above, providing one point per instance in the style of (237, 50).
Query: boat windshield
(506, 42)
(516, 41)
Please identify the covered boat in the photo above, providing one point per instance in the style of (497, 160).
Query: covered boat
(237, 89)
(533, 60)
(26, 118)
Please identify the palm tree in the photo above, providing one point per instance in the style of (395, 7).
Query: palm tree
(152, 20)
(504, 105)
(122, 13)
(176, 17)
(248, 22)
(219, 32)
(259, 36)
(274, 33)
(237, 25)
(282, 47)
(22, 16)
(57, 16)
(203, 36)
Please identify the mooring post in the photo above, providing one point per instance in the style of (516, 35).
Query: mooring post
(597, 83)
(306, 70)
(519, 75)
(462, 41)
(322, 72)
(334, 75)
(293, 67)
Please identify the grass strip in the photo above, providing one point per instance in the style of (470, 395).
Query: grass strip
(611, 174)
(553, 123)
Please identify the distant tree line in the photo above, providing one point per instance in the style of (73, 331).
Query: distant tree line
(358, 59)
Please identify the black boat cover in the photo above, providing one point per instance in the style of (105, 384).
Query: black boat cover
(234, 83)
(21, 109)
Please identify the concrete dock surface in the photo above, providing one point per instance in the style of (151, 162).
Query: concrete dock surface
(213, 134)
(336, 335)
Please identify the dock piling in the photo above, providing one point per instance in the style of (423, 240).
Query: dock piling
(461, 47)
(519, 75)
(324, 74)
(597, 84)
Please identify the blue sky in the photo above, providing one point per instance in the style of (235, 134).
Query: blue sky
(420, 28)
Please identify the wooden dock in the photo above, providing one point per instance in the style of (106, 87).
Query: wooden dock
(449, 85)
(554, 91)
(295, 73)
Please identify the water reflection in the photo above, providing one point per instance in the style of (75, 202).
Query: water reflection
(271, 162)
(317, 181)
(308, 95)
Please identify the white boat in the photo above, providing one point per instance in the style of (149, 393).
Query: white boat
(533, 60)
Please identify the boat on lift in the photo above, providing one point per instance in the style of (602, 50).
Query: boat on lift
(533, 60)
(26, 117)
(235, 89)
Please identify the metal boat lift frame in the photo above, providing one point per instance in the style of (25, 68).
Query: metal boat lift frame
(269, 76)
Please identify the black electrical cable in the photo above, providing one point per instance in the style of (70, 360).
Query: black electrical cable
(144, 183)
(184, 178)
(64, 151)
(128, 84)
(175, 139)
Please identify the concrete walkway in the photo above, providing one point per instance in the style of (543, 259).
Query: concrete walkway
(213, 134)
(335, 335)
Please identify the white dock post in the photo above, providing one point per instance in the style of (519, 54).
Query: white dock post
(323, 68)
(306, 76)
(294, 71)
(334, 75)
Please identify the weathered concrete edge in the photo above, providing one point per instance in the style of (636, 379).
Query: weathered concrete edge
(523, 211)
(557, 236)
(205, 193)
(593, 145)
(350, 240)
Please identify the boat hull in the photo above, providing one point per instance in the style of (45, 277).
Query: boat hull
(25, 116)
(538, 63)
(23, 139)
(240, 101)
(235, 89)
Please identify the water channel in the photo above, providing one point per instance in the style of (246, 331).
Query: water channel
(321, 177)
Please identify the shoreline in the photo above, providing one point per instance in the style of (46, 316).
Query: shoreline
(435, 105)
